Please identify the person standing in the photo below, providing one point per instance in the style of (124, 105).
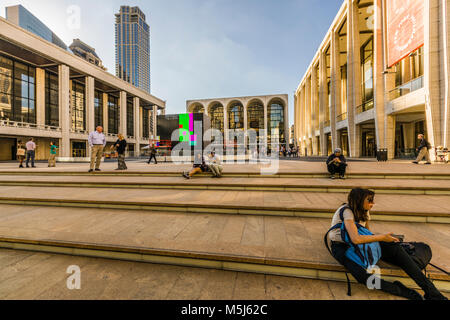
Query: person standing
(31, 152)
(424, 150)
(20, 153)
(337, 163)
(52, 159)
(120, 146)
(97, 143)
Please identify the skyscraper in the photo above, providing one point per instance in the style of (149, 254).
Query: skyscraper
(26, 20)
(133, 47)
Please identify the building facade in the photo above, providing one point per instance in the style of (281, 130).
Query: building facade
(82, 50)
(379, 78)
(133, 47)
(269, 113)
(52, 95)
(26, 20)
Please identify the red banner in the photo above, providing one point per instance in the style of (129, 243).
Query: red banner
(405, 28)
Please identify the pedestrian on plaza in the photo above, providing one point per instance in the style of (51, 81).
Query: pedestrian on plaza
(120, 146)
(357, 211)
(52, 159)
(97, 143)
(337, 163)
(20, 153)
(153, 153)
(424, 150)
(31, 152)
(199, 167)
(215, 165)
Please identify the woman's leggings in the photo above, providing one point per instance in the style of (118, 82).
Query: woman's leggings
(391, 253)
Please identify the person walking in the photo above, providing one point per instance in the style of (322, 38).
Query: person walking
(152, 154)
(31, 152)
(424, 150)
(52, 159)
(20, 153)
(120, 146)
(357, 211)
(215, 165)
(97, 143)
(337, 163)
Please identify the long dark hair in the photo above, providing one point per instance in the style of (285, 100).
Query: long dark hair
(356, 203)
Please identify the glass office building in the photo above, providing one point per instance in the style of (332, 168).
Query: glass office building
(26, 20)
(133, 47)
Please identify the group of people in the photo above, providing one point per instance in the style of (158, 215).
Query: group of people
(289, 152)
(213, 165)
(28, 151)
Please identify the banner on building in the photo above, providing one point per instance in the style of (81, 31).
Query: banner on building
(405, 26)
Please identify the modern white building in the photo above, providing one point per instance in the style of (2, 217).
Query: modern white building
(50, 94)
(380, 77)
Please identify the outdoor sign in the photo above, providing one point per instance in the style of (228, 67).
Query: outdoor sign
(405, 25)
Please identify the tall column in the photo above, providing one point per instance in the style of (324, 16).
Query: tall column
(137, 126)
(335, 88)
(40, 97)
(105, 113)
(353, 66)
(123, 113)
(245, 127)
(286, 124)
(302, 120)
(64, 110)
(155, 121)
(295, 120)
(90, 103)
(314, 108)
(322, 102)
(379, 82)
(445, 10)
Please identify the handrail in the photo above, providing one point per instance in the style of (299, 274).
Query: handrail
(406, 88)
(366, 106)
(26, 125)
(342, 117)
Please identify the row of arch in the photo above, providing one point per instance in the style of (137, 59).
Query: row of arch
(236, 111)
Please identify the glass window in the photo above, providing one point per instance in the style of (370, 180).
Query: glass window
(98, 108)
(255, 116)
(51, 100)
(275, 119)
(113, 115)
(145, 123)
(236, 116)
(130, 119)
(78, 107)
(367, 70)
(216, 114)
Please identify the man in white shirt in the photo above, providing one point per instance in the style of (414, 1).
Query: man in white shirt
(31, 152)
(97, 142)
(215, 165)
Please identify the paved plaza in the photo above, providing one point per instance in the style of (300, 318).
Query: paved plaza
(245, 236)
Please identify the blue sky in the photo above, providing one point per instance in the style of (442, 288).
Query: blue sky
(206, 48)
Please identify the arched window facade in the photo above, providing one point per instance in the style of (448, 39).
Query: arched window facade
(216, 115)
(236, 116)
(198, 108)
(255, 115)
(275, 123)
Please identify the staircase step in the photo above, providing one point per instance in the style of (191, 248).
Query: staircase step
(270, 245)
(397, 186)
(407, 208)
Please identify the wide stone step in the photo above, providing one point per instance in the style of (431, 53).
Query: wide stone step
(270, 245)
(237, 174)
(387, 186)
(407, 208)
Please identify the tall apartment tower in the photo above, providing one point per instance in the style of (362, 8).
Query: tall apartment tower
(133, 47)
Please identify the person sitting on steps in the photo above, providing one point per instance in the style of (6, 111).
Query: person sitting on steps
(199, 167)
(337, 163)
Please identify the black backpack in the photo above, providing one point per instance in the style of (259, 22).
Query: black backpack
(421, 254)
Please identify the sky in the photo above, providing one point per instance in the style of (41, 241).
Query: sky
(204, 48)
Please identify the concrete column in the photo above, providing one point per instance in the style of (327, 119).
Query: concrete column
(105, 113)
(141, 125)
(123, 113)
(137, 126)
(246, 126)
(286, 124)
(40, 97)
(155, 121)
(390, 136)
(335, 87)
(302, 120)
(225, 127)
(445, 9)
(432, 71)
(322, 102)
(64, 110)
(315, 112)
(295, 119)
(353, 66)
(379, 82)
(90, 105)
